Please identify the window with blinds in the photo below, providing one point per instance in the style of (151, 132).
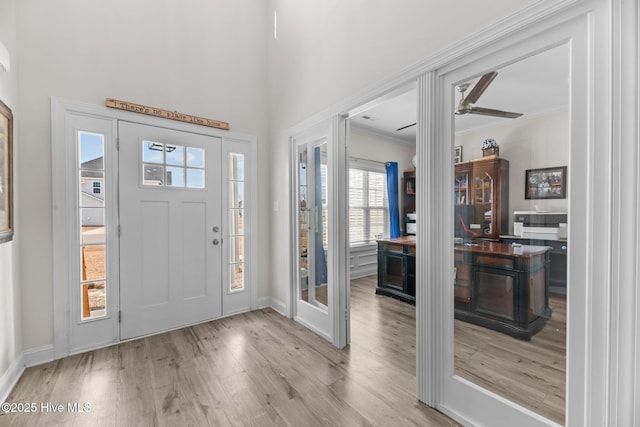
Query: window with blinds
(368, 213)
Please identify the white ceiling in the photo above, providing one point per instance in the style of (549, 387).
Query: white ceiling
(535, 85)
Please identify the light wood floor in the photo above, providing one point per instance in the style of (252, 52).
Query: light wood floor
(262, 369)
(257, 369)
(530, 373)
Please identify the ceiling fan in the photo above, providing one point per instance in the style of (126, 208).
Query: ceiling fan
(466, 104)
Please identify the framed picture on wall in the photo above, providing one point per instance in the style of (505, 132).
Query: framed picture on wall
(547, 183)
(457, 154)
(6, 182)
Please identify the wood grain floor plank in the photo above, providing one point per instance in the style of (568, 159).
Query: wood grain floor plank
(261, 369)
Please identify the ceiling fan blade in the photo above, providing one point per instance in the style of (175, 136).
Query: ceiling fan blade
(491, 112)
(480, 87)
(405, 127)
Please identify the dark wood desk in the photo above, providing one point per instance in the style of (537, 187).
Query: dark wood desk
(397, 268)
(503, 287)
(497, 285)
(557, 260)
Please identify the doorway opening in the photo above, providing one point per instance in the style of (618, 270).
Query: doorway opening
(381, 141)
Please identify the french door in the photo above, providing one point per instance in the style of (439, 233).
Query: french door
(313, 290)
(319, 291)
(475, 396)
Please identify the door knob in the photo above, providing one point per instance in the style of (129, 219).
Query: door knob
(216, 241)
(216, 229)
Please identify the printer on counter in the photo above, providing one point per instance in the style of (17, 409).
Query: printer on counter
(540, 225)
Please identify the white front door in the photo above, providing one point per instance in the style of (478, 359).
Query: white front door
(171, 232)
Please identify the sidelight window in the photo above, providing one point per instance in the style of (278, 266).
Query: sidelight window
(236, 182)
(91, 213)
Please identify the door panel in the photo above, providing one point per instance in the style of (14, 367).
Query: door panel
(92, 275)
(154, 254)
(497, 388)
(171, 257)
(194, 249)
(314, 290)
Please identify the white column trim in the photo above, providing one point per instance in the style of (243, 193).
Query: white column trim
(429, 171)
(624, 375)
(341, 295)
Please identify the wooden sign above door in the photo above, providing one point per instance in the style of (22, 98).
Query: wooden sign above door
(166, 114)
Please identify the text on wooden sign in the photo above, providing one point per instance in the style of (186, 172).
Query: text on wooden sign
(159, 112)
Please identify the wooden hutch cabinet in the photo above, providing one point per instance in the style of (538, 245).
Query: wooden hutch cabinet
(481, 195)
(408, 198)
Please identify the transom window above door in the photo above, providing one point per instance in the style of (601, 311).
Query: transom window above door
(171, 165)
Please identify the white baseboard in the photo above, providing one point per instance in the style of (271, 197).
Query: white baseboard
(38, 355)
(274, 303)
(10, 378)
(313, 328)
(357, 274)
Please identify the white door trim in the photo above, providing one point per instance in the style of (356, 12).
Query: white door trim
(62, 112)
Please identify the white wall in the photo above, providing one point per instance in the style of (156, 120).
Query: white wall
(10, 306)
(201, 57)
(369, 146)
(329, 50)
(528, 143)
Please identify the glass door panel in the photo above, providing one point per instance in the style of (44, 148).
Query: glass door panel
(92, 211)
(312, 224)
(509, 329)
(312, 252)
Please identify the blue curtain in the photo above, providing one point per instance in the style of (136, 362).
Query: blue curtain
(320, 256)
(392, 193)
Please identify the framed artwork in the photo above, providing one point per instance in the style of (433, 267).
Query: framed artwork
(547, 183)
(6, 182)
(457, 154)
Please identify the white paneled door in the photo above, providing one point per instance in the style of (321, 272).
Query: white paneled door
(171, 239)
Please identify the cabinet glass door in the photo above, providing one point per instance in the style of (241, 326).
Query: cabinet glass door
(483, 200)
(461, 189)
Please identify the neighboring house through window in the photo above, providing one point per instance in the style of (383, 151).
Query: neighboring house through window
(96, 187)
